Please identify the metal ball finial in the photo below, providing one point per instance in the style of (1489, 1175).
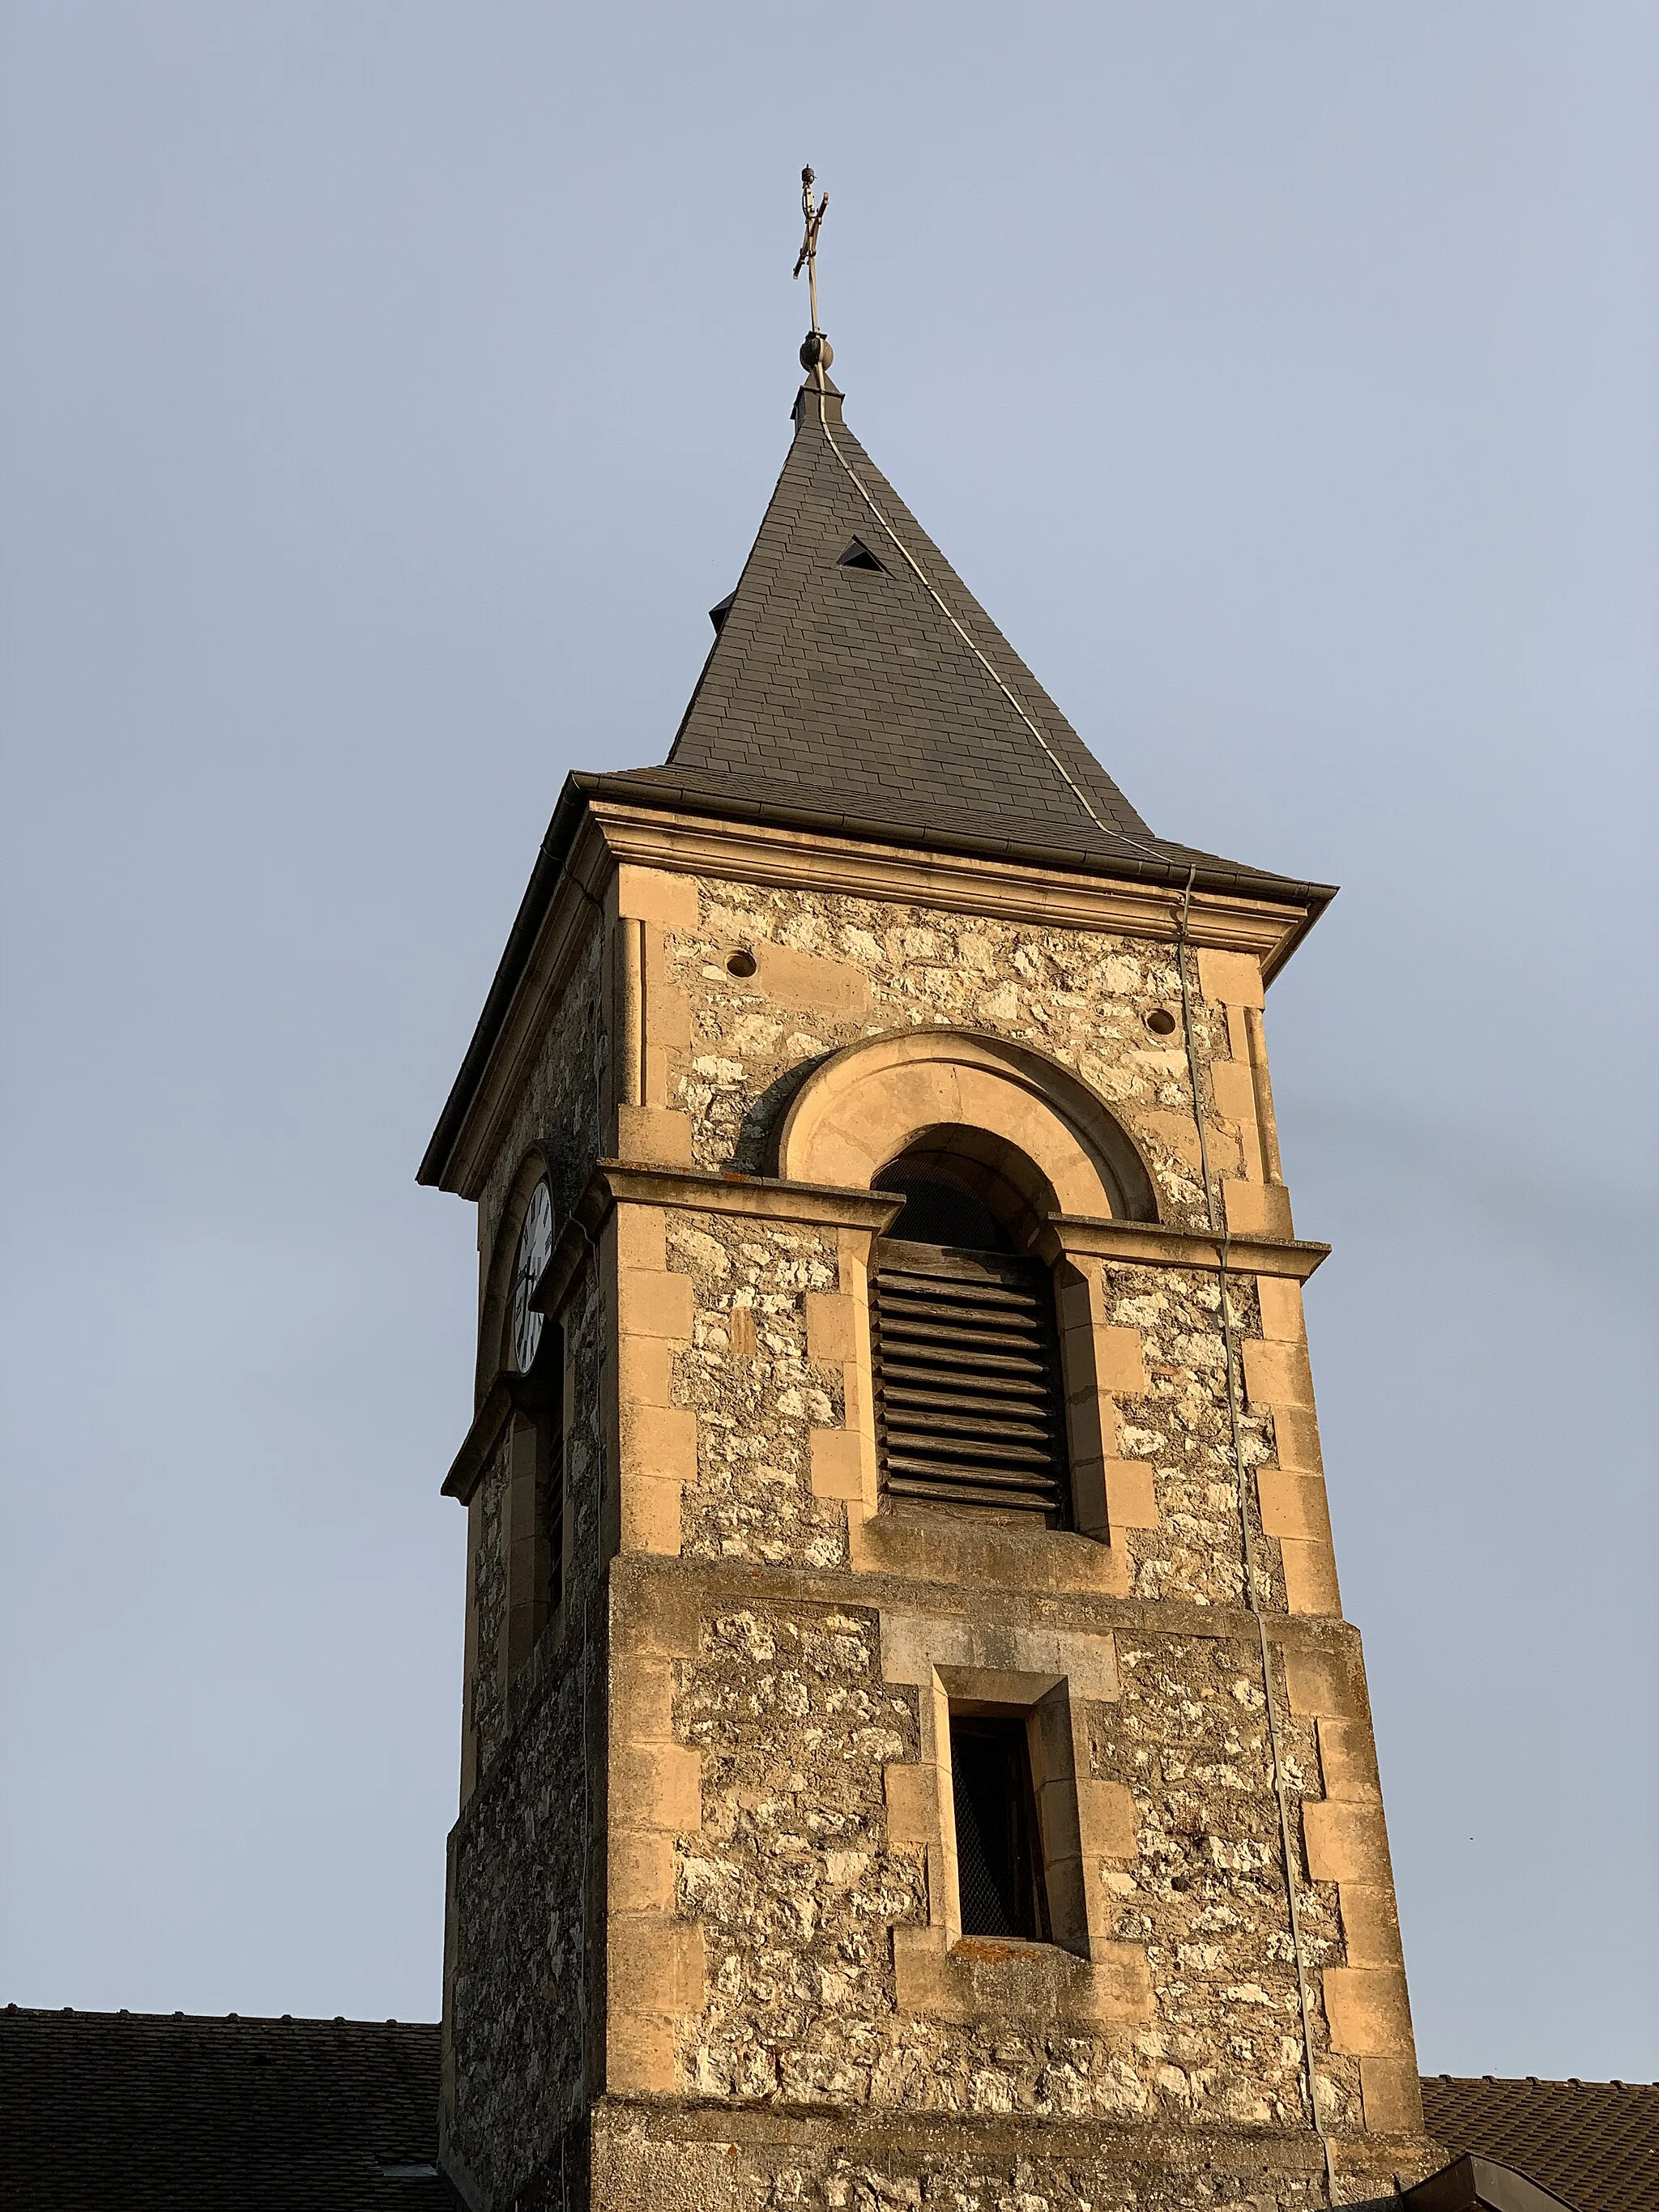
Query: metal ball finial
(816, 351)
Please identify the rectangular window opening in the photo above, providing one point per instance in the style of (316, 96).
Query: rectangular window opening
(1000, 1877)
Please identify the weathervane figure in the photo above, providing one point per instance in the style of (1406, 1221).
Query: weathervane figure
(816, 352)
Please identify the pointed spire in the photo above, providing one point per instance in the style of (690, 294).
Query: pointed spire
(854, 679)
(853, 672)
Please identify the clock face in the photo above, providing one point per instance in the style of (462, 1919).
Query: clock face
(535, 1249)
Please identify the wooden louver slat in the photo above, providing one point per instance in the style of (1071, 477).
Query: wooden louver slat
(969, 1407)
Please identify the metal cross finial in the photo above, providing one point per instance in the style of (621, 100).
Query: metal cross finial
(807, 259)
(816, 353)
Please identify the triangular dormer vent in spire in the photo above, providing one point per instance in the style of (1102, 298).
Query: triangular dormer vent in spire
(718, 613)
(859, 555)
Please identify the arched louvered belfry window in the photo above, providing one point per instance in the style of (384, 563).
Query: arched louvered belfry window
(969, 1407)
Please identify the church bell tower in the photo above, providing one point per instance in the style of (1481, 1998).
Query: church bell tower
(913, 1753)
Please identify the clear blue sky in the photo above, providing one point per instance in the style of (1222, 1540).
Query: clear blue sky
(387, 393)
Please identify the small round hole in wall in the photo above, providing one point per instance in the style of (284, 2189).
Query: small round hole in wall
(1161, 1022)
(740, 963)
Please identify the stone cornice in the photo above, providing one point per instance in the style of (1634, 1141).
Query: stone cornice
(763, 1198)
(759, 1198)
(1153, 1244)
(642, 1577)
(828, 1205)
(508, 1395)
(467, 1470)
(761, 853)
(871, 2134)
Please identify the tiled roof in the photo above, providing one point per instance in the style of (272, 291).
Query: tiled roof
(1595, 2144)
(885, 693)
(144, 2113)
(151, 2113)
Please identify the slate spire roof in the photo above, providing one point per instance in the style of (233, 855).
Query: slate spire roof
(853, 677)
(853, 662)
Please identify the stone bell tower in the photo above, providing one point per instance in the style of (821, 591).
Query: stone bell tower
(913, 1753)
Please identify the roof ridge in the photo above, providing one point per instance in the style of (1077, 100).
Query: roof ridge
(209, 2019)
(1542, 2081)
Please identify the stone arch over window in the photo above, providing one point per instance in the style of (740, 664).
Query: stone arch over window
(870, 1102)
(979, 1370)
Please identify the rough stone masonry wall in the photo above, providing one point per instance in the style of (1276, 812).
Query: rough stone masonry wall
(520, 1986)
(643, 2163)
(487, 1598)
(792, 1880)
(1205, 1893)
(559, 1116)
(833, 969)
(559, 1110)
(856, 967)
(791, 1877)
(795, 1884)
(756, 1394)
(525, 1971)
(1182, 1427)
